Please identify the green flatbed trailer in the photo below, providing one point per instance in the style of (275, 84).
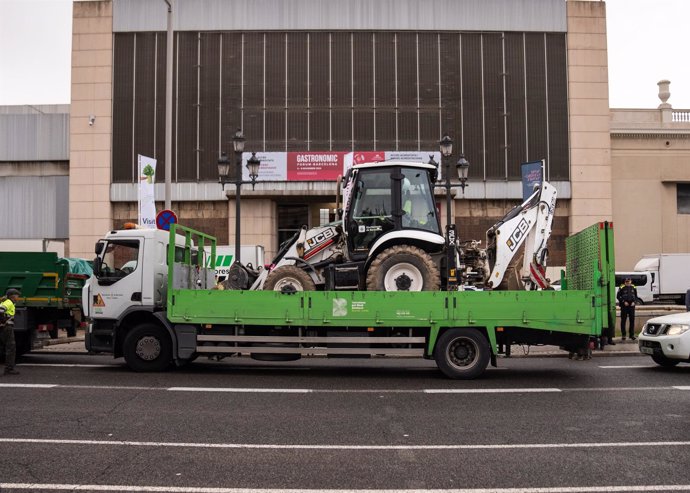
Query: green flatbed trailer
(462, 330)
(50, 295)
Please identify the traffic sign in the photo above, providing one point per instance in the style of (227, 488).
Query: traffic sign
(165, 218)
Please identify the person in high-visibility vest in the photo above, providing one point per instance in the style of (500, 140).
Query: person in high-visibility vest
(7, 311)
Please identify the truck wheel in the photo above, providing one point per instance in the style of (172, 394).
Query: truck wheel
(289, 279)
(147, 347)
(403, 268)
(23, 342)
(462, 353)
(662, 360)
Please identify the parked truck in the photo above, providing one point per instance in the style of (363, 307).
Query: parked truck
(51, 294)
(670, 274)
(375, 283)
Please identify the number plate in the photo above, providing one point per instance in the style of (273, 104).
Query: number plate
(646, 350)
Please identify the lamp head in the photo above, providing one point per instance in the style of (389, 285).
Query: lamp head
(446, 146)
(238, 141)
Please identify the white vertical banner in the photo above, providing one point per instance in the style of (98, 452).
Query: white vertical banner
(147, 201)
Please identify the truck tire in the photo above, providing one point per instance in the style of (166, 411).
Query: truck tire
(662, 360)
(147, 347)
(403, 268)
(23, 342)
(289, 279)
(462, 354)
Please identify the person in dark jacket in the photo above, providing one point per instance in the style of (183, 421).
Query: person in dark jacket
(627, 296)
(7, 311)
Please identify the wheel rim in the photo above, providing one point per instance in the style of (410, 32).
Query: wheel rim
(148, 348)
(403, 277)
(288, 284)
(462, 353)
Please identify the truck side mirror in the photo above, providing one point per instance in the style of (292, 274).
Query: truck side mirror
(97, 263)
(99, 247)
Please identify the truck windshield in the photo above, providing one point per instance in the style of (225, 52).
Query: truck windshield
(119, 259)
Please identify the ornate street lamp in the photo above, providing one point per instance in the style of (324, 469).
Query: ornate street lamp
(461, 167)
(253, 165)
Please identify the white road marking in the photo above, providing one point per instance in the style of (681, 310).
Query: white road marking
(611, 367)
(490, 391)
(192, 489)
(239, 390)
(681, 387)
(200, 445)
(29, 385)
(70, 365)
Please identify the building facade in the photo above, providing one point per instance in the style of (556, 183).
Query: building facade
(650, 155)
(510, 81)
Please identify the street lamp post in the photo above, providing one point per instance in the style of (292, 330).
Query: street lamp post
(253, 164)
(462, 167)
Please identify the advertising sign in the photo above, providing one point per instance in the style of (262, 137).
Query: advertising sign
(532, 174)
(146, 198)
(312, 166)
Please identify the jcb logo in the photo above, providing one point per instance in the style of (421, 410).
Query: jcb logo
(517, 234)
(320, 237)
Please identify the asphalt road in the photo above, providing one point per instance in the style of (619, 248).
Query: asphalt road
(535, 424)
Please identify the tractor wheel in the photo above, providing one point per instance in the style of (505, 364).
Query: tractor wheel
(289, 279)
(403, 268)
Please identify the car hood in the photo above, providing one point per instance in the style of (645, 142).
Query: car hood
(674, 318)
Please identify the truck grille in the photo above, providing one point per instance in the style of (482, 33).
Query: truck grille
(650, 344)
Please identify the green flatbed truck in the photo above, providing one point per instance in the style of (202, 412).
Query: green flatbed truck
(50, 295)
(164, 308)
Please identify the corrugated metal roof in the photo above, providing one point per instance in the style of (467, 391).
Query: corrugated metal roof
(330, 15)
(34, 207)
(34, 133)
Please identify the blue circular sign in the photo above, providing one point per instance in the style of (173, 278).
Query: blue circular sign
(165, 218)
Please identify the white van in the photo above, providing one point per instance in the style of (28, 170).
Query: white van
(643, 282)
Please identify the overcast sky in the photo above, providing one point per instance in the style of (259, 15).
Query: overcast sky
(647, 41)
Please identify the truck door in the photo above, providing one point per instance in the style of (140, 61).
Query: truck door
(118, 278)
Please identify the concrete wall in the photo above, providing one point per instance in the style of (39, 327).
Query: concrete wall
(588, 100)
(90, 144)
(650, 155)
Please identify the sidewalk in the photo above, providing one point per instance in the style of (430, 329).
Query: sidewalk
(64, 344)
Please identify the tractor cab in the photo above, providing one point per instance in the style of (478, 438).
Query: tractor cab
(388, 197)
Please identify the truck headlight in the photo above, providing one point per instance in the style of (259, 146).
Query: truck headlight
(676, 329)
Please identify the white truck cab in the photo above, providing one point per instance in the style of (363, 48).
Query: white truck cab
(128, 285)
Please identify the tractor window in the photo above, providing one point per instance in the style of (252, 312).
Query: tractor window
(372, 209)
(419, 208)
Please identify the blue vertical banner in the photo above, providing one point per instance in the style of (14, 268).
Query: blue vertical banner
(532, 174)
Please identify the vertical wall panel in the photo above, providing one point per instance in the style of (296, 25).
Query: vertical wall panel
(363, 129)
(384, 67)
(186, 128)
(319, 125)
(319, 102)
(144, 114)
(362, 45)
(231, 90)
(494, 136)
(253, 90)
(450, 87)
(407, 71)
(275, 89)
(536, 96)
(297, 90)
(209, 110)
(515, 100)
(558, 107)
(159, 144)
(123, 97)
(473, 134)
(428, 71)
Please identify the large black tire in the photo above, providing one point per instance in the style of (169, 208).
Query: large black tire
(403, 268)
(289, 279)
(23, 342)
(662, 360)
(147, 347)
(462, 354)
